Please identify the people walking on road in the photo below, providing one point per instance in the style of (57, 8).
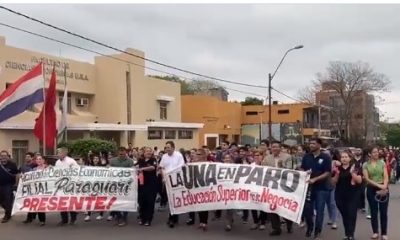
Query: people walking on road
(229, 213)
(27, 167)
(41, 164)
(348, 179)
(8, 179)
(331, 203)
(201, 156)
(170, 161)
(377, 179)
(95, 162)
(121, 161)
(147, 170)
(277, 159)
(319, 165)
(65, 161)
(259, 217)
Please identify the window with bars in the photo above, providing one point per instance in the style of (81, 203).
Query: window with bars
(19, 150)
(163, 110)
(185, 134)
(170, 134)
(60, 99)
(154, 134)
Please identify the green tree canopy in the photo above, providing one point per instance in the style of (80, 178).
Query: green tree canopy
(252, 101)
(190, 87)
(393, 136)
(82, 147)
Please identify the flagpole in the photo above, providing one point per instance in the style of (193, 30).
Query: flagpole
(66, 110)
(44, 111)
(55, 137)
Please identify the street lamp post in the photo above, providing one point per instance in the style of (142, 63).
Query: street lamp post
(270, 77)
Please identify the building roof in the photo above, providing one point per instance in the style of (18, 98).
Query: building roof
(175, 125)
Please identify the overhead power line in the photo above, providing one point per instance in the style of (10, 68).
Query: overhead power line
(128, 53)
(284, 94)
(112, 57)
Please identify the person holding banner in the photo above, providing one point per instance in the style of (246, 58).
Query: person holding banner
(41, 165)
(171, 160)
(64, 162)
(243, 158)
(319, 165)
(8, 178)
(27, 167)
(95, 162)
(121, 161)
(201, 156)
(279, 160)
(147, 169)
(259, 217)
(229, 213)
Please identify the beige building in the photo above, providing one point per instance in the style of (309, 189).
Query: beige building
(111, 99)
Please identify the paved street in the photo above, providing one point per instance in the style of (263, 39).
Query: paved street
(15, 230)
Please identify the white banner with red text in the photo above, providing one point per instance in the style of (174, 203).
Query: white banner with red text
(78, 189)
(218, 186)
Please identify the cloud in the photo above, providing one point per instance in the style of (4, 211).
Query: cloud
(235, 42)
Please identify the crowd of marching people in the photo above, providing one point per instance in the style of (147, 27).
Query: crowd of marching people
(341, 180)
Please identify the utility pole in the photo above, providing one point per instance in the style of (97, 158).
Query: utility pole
(269, 108)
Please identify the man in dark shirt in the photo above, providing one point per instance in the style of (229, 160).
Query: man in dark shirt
(243, 156)
(121, 161)
(320, 166)
(29, 163)
(224, 150)
(8, 175)
(28, 166)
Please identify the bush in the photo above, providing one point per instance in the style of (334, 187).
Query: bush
(82, 147)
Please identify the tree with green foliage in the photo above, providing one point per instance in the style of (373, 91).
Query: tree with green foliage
(190, 87)
(252, 101)
(393, 136)
(82, 147)
(185, 88)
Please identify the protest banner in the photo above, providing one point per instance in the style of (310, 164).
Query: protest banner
(218, 186)
(78, 189)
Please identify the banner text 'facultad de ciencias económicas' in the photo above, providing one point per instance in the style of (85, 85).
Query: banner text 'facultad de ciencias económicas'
(79, 189)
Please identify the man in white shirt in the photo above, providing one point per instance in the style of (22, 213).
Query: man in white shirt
(170, 161)
(64, 161)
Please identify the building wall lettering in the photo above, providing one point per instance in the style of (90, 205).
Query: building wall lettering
(49, 63)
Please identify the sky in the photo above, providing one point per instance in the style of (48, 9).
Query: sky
(240, 43)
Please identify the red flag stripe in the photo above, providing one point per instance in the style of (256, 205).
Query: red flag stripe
(36, 71)
(49, 112)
